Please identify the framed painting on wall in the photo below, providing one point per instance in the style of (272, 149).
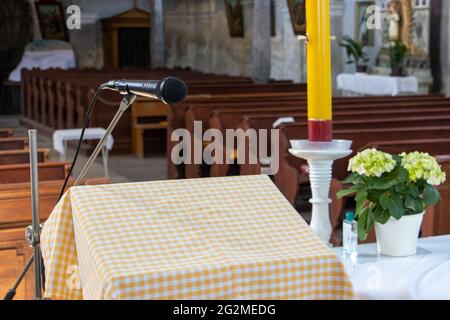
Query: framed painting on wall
(52, 21)
(235, 18)
(297, 10)
(363, 34)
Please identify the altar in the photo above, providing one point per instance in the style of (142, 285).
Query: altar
(424, 276)
(361, 84)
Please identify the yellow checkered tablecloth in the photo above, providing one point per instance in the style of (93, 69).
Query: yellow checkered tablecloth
(217, 238)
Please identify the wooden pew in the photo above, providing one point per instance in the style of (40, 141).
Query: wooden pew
(178, 118)
(72, 90)
(205, 111)
(435, 146)
(15, 215)
(358, 120)
(15, 199)
(18, 173)
(13, 143)
(158, 121)
(224, 115)
(22, 156)
(43, 87)
(6, 132)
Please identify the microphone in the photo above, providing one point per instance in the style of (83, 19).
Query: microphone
(169, 90)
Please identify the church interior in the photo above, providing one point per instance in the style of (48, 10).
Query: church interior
(224, 149)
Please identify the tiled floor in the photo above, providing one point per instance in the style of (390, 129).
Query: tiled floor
(122, 168)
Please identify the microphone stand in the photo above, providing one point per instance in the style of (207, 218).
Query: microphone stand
(33, 231)
(126, 102)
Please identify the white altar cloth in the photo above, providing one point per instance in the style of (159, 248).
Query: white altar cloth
(64, 59)
(376, 85)
(421, 277)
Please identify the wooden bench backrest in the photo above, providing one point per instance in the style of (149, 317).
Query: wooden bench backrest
(22, 156)
(13, 143)
(360, 138)
(142, 109)
(439, 146)
(21, 172)
(203, 113)
(15, 200)
(6, 132)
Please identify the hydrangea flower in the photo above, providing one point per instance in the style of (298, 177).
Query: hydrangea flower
(372, 163)
(423, 166)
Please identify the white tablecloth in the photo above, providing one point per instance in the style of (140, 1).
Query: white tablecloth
(64, 59)
(376, 85)
(59, 136)
(423, 276)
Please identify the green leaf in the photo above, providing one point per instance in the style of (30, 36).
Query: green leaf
(362, 222)
(396, 177)
(385, 182)
(398, 210)
(343, 193)
(381, 215)
(394, 205)
(430, 196)
(359, 206)
(410, 203)
(418, 206)
(361, 196)
(414, 191)
(374, 195)
(397, 158)
(385, 201)
(365, 223)
(402, 175)
(351, 178)
(353, 49)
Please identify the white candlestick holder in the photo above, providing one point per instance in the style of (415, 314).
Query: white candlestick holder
(320, 157)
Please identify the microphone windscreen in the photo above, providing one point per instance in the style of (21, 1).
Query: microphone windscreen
(172, 90)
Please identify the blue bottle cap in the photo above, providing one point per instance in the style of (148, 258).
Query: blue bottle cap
(350, 216)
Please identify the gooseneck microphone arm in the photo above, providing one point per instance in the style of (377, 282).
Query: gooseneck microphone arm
(126, 102)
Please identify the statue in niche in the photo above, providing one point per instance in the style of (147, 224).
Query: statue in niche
(297, 10)
(397, 22)
(394, 19)
(235, 18)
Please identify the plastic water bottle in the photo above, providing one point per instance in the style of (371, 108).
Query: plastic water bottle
(350, 235)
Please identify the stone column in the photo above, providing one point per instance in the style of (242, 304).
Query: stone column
(337, 24)
(261, 41)
(36, 29)
(157, 44)
(445, 47)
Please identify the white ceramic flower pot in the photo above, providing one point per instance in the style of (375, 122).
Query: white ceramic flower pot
(398, 238)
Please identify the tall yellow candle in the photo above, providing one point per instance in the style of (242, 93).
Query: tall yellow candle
(319, 70)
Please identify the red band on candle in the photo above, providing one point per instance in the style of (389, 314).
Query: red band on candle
(320, 130)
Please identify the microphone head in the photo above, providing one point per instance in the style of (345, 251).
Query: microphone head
(171, 90)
